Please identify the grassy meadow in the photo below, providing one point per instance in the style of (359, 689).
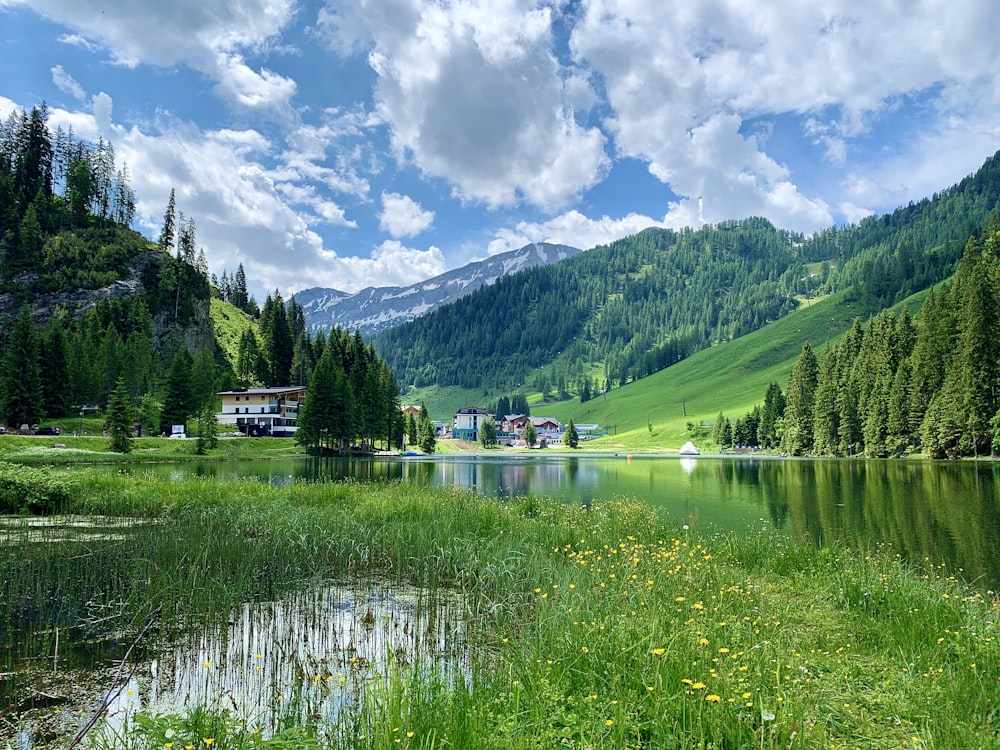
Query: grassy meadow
(69, 449)
(591, 627)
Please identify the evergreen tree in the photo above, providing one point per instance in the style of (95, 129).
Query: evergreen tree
(249, 360)
(977, 363)
(825, 419)
(202, 382)
(119, 418)
(177, 392)
(411, 429)
(800, 397)
(572, 437)
(239, 296)
(20, 376)
(718, 430)
(773, 411)
(169, 231)
(55, 373)
(519, 405)
(503, 407)
(302, 360)
(425, 431)
(278, 345)
(900, 437)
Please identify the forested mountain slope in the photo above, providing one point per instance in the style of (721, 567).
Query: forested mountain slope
(377, 308)
(622, 311)
(638, 304)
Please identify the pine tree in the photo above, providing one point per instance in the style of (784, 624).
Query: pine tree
(239, 296)
(425, 431)
(773, 411)
(119, 418)
(177, 392)
(55, 373)
(169, 231)
(800, 397)
(825, 418)
(411, 429)
(203, 382)
(717, 431)
(20, 374)
(572, 437)
(977, 361)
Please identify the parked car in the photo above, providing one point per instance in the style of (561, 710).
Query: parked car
(47, 430)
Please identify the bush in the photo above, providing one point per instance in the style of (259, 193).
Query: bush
(24, 489)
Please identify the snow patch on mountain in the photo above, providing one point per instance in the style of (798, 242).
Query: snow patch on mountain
(376, 308)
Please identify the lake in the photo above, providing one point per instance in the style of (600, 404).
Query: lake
(933, 513)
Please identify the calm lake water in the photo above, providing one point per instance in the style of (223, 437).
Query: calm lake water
(934, 513)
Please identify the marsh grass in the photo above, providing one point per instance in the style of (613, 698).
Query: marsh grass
(600, 627)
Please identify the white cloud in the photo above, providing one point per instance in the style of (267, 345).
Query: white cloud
(210, 37)
(472, 93)
(391, 263)
(571, 228)
(66, 83)
(682, 78)
(403, 217)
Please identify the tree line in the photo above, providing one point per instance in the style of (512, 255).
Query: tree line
(900, 383)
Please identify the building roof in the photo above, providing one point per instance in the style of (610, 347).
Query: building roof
(263, 391)
(472, 410)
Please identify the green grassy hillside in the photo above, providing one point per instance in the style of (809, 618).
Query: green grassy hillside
(731, 377)
(649, 414)
(229, 322)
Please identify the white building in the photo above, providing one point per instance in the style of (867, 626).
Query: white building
(262, 411)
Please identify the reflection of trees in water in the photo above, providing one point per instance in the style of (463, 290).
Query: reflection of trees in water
(931, 514)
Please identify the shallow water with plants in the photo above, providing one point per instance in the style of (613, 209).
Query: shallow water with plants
(525, 624)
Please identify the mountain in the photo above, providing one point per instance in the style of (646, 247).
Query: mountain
(378, 308)
(621, 312)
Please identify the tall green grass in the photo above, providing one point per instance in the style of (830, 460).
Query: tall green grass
(600, 627)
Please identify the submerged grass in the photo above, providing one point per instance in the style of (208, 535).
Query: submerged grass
(600, 627)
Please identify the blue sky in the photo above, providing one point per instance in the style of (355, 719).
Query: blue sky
(354, 143)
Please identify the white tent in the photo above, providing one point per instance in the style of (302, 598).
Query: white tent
(689, 449)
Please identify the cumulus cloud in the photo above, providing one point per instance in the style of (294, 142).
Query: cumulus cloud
(65, 82)
(571, 228)
(402, 216)
(473, 93)
(682, 78)
(391, 263)
(209, 37)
